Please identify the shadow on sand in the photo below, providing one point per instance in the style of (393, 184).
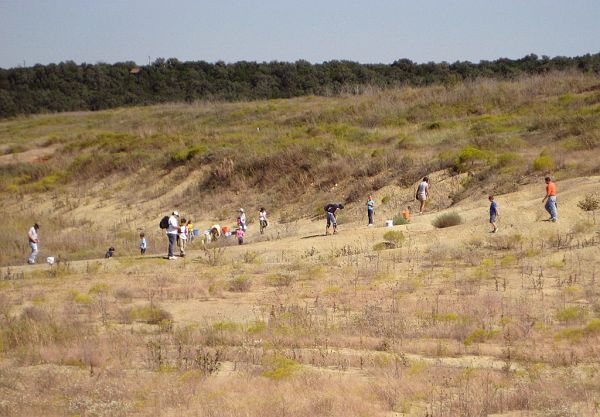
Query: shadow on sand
(313, 236)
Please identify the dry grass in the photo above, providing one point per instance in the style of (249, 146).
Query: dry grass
(130, 166)
(447, 322)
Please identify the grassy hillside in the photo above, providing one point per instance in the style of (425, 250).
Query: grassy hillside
(415, 321)
(292, 156)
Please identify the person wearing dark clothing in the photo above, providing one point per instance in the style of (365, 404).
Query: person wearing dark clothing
(331, 209)
(109, 252)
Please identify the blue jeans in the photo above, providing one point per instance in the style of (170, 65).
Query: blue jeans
(370, 213)
(331, 219)
(34, 252)
(551, 207)
(172, 242)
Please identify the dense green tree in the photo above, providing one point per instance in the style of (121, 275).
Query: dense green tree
(68, 86)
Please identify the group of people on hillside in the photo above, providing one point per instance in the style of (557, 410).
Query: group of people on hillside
(179, 232)
(179, 235)
(422, 195)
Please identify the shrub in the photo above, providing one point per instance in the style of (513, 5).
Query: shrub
(257, 327)
(280, 367)
(543, 163)
(251, 257)
(469, 157)
(385, 199)
(591, 202)
(593, 326)
(187, 154)
(240, 284)
(150, 314)
(507, 242)
(400, 220)
(280, 280)
(571, 315)
(447, 220)
(383, 246)
(394, 237)
(479, 336)
(100, 288)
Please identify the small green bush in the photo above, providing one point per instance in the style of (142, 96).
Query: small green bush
(395, 237)
(593, 326)
(257, 327)
(150, 314)
(469, 157)
(571, 315)
(187, 154)
(479, 336)
(447, 220)
(399, 220)
(280, 367)
(543, 163)
(383, 246)
(240, 283)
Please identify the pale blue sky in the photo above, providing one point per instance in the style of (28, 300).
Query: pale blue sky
(375, 31)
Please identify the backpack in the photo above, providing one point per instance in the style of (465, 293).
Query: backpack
(164, 223)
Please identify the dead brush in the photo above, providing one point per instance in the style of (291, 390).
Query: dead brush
(213, 256)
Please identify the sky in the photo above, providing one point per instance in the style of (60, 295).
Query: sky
(374, 31)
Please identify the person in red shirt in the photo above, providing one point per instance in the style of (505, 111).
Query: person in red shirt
(550, 199)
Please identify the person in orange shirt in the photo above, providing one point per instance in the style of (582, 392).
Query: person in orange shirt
(550, 199)
(406, 214)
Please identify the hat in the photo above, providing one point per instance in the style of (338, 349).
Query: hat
(242, 210)
(176, 213)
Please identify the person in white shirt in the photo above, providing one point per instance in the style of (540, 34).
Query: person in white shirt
(182, 237)
(242, 219)
(172, 232)
(33, 242)
(422, 193)
(262, 218)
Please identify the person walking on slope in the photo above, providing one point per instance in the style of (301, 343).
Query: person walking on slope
(190, 231)
(494, 214)
(172, 232)
(550, 199)
(422, 193)
(143, 243)
(33, 243)
(182, 238)
(262, 219)
(370, 209)
(406, 214)
(239, 233)
(241, 220)
(330, 209)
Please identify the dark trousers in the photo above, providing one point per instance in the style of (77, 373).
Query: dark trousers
(370, 216)
(172, 242)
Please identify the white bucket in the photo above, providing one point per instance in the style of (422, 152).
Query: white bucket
(389, 223)
(50, 260)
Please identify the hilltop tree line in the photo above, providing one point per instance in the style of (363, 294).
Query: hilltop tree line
(69, 87)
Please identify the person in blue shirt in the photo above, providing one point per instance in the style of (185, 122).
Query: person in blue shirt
(494, 214)
(370, 209)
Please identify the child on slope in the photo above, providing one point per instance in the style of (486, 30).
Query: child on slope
(143, 244)
(493, 213)
(239, 233)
